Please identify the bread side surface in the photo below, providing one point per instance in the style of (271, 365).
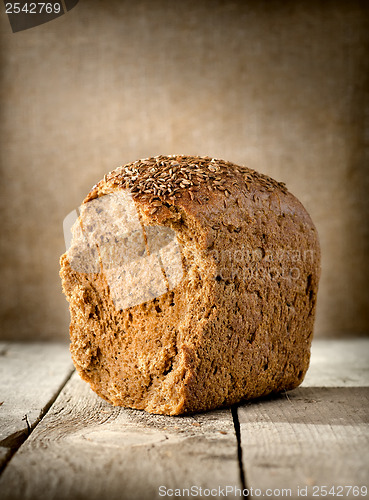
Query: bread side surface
(239, 323)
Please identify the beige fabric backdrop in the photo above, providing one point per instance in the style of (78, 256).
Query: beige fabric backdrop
(281, 86)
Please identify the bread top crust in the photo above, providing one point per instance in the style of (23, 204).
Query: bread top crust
(198, 187)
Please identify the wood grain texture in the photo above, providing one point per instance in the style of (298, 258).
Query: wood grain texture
(312, 435)
(338, 363)
(85, 448)
(31, 375)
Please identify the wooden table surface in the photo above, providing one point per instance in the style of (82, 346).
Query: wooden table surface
(58, 440)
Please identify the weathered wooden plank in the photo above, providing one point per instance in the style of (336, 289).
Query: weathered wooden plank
(313, 436)
(31, 375)
(85, 448)
(338, 363)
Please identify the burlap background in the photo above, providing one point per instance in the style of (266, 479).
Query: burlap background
(281, 86)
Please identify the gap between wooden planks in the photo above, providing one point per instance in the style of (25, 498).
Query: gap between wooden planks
(314, 439)
(31, 376)
(86, 448)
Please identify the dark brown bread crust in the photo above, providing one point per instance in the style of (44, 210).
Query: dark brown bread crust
(239, 324)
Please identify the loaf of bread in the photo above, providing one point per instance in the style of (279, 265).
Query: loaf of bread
(192, 285)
